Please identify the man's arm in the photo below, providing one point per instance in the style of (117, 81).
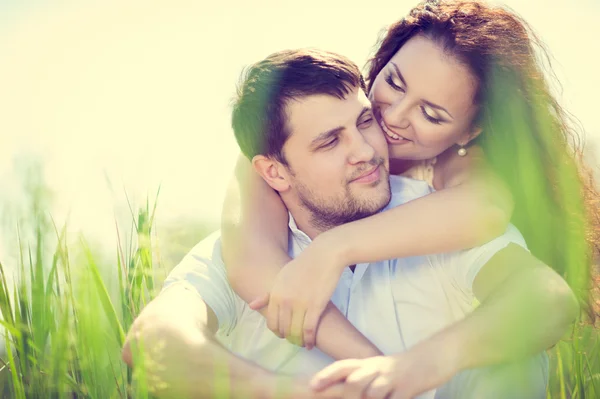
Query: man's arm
(180, 357)
(177, 351)
(525, 308)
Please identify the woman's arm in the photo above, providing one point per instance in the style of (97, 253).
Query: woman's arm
(254, 232)
(255, 247)
(470, 207)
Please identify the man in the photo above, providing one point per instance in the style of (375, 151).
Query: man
(325, 154)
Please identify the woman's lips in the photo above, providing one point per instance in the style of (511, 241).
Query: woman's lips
(393, 137)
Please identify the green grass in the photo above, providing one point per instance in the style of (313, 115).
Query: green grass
(64, 329)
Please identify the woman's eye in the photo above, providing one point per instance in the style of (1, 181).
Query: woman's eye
(427, 113)
(390, 80)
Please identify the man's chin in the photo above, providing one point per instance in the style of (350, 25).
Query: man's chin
(377, 196)
(375, 203)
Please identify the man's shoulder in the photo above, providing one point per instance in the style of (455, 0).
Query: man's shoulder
(205, 255)
(464, 265)
(209, 247)
(467, 258)
(405, 189)
(202, 270)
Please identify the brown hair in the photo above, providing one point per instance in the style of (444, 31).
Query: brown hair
(259, 118)
(527, 137)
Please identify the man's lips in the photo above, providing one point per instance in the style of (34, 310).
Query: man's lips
(370, 176)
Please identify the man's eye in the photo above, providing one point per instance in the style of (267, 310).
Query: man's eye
(330, 143)
(366, 122)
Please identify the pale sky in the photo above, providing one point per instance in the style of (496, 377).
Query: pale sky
(140, 91)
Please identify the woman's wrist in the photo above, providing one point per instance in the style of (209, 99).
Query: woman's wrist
(336, 248)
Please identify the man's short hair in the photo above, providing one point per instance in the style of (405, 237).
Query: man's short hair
(259, 118)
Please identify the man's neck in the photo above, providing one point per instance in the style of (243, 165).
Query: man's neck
(305, 223)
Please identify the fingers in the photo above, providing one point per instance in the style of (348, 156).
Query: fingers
(335, 391)
(285, 320)
(311, 321)
(358, 382)
(335, 373)
(380, 388)
(295, 335)
(398, 395)
(126, 353)
(273, 318)
(259, 302)
(131, 343)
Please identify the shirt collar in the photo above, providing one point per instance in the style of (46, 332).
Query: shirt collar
(304, 241)
(298, 234)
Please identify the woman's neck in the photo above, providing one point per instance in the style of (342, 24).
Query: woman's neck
(399, 166)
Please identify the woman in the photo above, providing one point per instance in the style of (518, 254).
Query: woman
(464, 104)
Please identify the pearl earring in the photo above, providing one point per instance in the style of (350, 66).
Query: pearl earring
(462, 151)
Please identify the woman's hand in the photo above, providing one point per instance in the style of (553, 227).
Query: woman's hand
(301, 292)
(405, 375)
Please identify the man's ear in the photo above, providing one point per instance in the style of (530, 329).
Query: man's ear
(272, 172)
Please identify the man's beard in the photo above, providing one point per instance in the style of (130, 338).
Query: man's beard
(344, 209)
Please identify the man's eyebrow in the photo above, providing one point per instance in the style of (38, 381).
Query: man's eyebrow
(326, 135)
(335, 131)
(432, 105)
(362, 113)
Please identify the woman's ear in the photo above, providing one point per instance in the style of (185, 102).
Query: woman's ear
(472, 135)
(272, 172)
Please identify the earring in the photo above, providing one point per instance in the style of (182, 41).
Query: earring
(462, 151)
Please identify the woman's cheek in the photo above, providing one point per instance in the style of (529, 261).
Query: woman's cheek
(435, 139)
(378, 92)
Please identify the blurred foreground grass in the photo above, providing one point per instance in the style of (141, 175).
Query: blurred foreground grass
(65, 323)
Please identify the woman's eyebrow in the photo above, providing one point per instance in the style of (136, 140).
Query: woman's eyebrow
(438, 107)
(429, 103)
(399, 73)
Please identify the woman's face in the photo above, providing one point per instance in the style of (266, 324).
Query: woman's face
(423, 99)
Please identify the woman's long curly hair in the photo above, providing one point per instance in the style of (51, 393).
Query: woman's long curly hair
(528, 138)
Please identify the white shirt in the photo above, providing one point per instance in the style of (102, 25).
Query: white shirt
(394, 303)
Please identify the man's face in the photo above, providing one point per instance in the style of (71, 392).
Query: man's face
(337, 158)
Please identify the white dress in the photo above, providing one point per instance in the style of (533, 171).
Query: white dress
(422, 170)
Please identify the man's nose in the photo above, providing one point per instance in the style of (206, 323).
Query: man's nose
(361, 150)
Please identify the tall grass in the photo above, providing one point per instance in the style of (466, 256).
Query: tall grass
(64, 331)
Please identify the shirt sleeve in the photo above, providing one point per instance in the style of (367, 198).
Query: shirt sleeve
(203, 271)
(464, 265)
